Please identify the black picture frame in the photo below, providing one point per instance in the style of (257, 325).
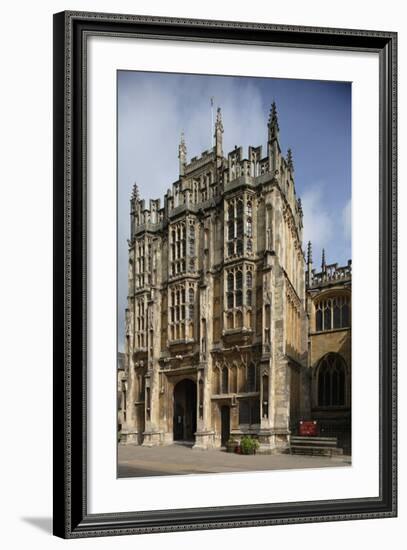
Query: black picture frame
(71, 518)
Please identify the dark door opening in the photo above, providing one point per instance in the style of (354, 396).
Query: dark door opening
(184, 420)
(225, 424)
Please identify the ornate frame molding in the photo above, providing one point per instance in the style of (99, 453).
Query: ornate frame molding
(71, 30)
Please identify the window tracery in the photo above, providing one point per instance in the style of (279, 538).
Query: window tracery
(332, 313)
(235, 226)
(331, 376)
(141, 322)
(182, 311)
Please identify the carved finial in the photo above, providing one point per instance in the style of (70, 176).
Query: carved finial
(135, 193)
(309, 253)
(273, 122)
(218, 134)
(290, 162)
(219, 123)
(182, 154)
(323, 265)
(182, 149)
(299, 202)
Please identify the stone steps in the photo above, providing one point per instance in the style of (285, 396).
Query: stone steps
(315, 446)
(314, 440)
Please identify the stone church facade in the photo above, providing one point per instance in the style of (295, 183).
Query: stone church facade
(329, 292)
(220, 301)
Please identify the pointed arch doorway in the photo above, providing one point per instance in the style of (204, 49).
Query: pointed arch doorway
(184, 421)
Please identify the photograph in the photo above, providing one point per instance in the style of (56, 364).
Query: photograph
(234, 274)
(225, 274)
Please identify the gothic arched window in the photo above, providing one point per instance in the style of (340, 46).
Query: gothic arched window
(331, 378)
(332, 313)
(237, 220)
(181, 309)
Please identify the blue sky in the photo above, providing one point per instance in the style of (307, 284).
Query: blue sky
(314, 119)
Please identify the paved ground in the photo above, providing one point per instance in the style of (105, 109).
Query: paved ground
(135, 461)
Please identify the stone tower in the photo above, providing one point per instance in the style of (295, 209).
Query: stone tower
(216, 323)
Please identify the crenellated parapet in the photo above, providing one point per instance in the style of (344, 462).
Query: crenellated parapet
(204, 180)
(330, 274)
(144, 215)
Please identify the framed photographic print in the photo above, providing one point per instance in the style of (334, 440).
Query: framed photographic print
(224, 274)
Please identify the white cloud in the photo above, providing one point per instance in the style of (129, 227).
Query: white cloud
(347, 220)
(324, 227)
(151, 119)
(318, 224)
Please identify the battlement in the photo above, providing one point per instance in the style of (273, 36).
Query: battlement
(205, 178)
(198, 162)
(142, 215)
(330, 274)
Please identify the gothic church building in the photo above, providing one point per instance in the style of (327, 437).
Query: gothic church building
(222, 305)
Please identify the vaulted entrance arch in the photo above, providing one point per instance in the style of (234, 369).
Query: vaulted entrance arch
(184, 420)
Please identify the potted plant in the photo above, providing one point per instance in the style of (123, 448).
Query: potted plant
(248, 445)
(231, 445)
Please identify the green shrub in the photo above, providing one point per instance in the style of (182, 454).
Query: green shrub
(249, 445)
